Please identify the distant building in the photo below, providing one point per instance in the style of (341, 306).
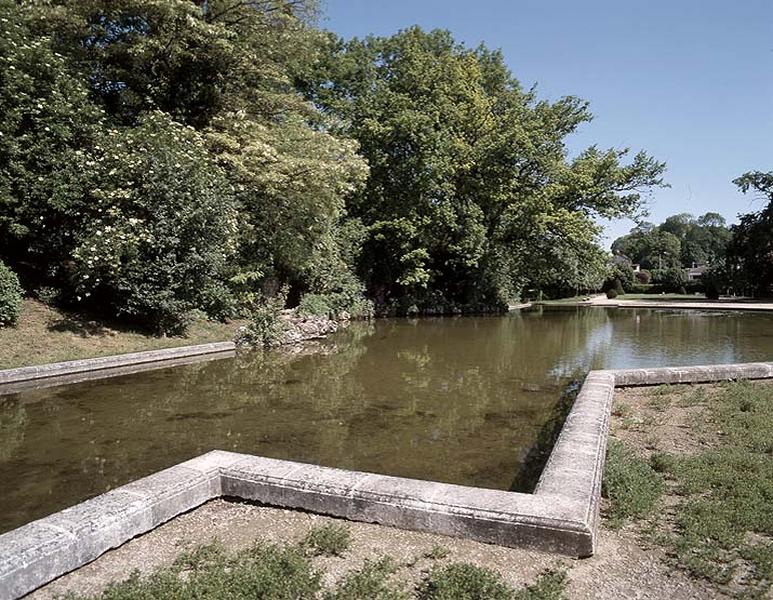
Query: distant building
(696, 272)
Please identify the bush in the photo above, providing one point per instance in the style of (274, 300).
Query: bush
(315, 305)
(159, 248)
(10, 296)
(670, 280)
(266, 325)
(644, 276)
(642, 288)
(611, 293)
(712, 283)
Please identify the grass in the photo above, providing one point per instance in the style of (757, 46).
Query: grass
(45, 334)
(632, 486)
(722, 525)
(285, 572)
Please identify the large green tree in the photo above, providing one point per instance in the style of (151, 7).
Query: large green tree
(470, 184)
(193, 105)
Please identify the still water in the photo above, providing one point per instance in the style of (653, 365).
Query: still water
(461, 400)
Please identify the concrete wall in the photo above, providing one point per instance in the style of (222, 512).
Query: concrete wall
(75, 371)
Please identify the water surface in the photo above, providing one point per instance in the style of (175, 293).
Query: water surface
(461, 400)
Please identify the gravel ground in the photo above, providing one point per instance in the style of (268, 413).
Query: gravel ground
(622, 568)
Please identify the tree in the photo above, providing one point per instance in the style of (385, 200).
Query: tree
(681, 240)
(469, 178)
(750, 251)
(653, 250)
(154, 87)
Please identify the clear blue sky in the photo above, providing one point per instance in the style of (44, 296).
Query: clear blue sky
(689, 81)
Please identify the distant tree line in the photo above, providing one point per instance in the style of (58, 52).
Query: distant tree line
(162, 159)
(738, 258)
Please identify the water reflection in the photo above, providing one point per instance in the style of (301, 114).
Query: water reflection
(460, 400)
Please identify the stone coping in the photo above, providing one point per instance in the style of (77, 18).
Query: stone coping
(560, 516)
(665, 305)
(74, 371)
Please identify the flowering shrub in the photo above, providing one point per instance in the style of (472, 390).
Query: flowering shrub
(10, 296)
(163, 227)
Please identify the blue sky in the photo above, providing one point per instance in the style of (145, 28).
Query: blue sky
(689, 81)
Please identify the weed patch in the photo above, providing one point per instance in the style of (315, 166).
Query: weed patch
(722, 523)
(372, 581)
(437, 553)
(267, 571)
(329, 540)
(632, 486)
(461, 581)
(275, 572)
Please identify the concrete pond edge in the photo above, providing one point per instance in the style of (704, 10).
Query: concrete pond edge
(561, 515)
(75, 371)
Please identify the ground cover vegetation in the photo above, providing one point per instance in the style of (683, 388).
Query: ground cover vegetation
(277, 572)
(162, 161)
(707, 503)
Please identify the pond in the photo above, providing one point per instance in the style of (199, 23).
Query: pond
(460, 400)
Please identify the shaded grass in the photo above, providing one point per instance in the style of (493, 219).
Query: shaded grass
(45, 334)
(722, 527)
(276, 572)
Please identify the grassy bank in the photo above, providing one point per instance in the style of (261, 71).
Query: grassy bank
(692, 467)
(45, 334)
(297, 571)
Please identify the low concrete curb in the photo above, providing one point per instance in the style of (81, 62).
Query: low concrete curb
(561, 516)
(74, 371)
(704, 374)
(666, 305)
